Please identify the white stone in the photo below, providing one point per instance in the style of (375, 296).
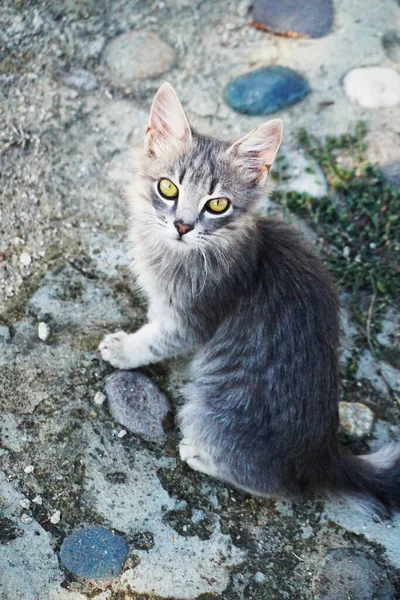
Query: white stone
(25, 259)
(99, 398)
(122, 433)
(24, 503)
(43, 331)
(137, 55)
(25, 518)
(373, 87)
(55, 517)
(38, 500)
(355, 418)
(29, 469)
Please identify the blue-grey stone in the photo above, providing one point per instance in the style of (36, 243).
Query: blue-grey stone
(266, 90)
(294, 18)
(94, 552)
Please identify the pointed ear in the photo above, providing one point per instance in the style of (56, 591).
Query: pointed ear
(257, 149)
(167, 121)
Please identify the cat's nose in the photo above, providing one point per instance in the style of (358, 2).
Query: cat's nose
(182, 227)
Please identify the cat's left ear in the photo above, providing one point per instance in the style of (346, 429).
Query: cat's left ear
(257, 150)
(168, 122)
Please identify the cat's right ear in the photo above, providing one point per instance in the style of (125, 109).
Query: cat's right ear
(168, 122)
(256, 151)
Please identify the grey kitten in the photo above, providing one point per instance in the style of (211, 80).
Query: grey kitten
(251, 300)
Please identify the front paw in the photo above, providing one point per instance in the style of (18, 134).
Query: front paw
(113, 350)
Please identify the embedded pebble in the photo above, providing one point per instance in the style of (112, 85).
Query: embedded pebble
(43, 331)
(94, 552)
(29, 469)
(373, 87)
(122, 433)
(137, 55)
(346, 573)
(25, 259)
(137, 404)
(55, 517)
(266, 90)
(99, 398)
(294, 18)
(356, 419)
(259, 577)
(24, 503)
(38, 500)
(26, 518)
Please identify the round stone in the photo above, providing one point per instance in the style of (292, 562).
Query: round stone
(346, 573)
(25, 259)
(137, 55)
(391, 45)
(137, 404)
(94, 552)
(294, 18)
(356, 419)
(373, 87)
(266, 90)
(43, 331)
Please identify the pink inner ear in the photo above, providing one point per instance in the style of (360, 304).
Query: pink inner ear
(258, 148)
(167, 116)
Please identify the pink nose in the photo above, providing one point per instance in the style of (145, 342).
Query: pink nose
(182, 228)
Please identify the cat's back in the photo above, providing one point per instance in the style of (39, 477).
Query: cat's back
(286, 261)
(288, 289)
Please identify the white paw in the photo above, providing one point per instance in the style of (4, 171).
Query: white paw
(198, 459)
(188, 451)
(113, 350)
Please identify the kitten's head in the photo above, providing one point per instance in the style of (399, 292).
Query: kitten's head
(192, 191)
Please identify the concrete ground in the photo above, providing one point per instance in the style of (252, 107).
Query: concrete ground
(67, 123)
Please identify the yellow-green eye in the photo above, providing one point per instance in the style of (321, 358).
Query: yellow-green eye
(168, 189)
(218, 205)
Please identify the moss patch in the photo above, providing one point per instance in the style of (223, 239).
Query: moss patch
(359, 222)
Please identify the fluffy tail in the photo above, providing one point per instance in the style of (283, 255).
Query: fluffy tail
(372, 480)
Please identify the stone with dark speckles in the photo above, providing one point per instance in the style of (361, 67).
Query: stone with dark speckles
(137, 404)
(94, 552)
(266, 90)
